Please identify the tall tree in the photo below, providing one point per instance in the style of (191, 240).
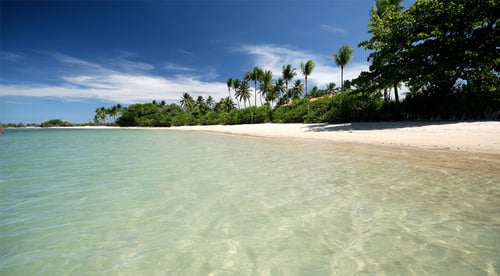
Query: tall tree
(436, 46)
(255, 75)
(245, 93)
(187, 102)
(288, 75)
(100, 115)
(279, 87)
(382, 13)
(266, 84)
(297, 89)
(307, 69)
(236, 87)
(229, 85)
(342, 58)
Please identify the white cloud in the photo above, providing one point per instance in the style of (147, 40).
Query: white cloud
(121, 88)
(333, 29)
(127, 82)
(271, 57)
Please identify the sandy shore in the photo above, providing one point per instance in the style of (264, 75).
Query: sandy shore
(471, 146)
(477, 137)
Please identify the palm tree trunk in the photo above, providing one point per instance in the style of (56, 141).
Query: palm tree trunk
(255, 86)
(306, 88)
(396, 95)
(286, 91)
(342, 77)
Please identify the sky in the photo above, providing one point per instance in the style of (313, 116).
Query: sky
(64, 59)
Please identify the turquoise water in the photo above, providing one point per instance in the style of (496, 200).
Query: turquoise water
(166, 202)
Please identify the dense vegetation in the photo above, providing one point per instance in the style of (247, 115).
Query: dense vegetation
(445, 51)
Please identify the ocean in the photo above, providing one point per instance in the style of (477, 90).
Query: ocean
(148, 202)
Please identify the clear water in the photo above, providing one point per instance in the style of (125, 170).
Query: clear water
(166, 202)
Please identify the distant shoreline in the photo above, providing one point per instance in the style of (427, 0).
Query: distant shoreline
(471, 146)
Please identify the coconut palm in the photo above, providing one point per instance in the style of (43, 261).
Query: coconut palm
(201, 105)
(225, 104)
(297, 89)
(236, 87)
(330, 88)
(100, 115)
(255, 75)
(307, 69)
(266, 84)
(279, 87)
(288, 74)
(245, 93)
(342, 58)
(229, 86)
(187, 102)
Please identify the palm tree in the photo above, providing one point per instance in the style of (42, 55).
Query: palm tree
(100, 115)
(271, 95)
(210, 102)
(187, 102)
(288, 74)
(297, 89)
(279, 87)
(266, 84)
(330, 88)
(201, 105)
(342, 59)
(225, 104)
(236, 87)
(254, 75)
(229, 85)
(112, 111)
(307, 69)
(245, 93)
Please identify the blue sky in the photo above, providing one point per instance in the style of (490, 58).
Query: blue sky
(64, 59)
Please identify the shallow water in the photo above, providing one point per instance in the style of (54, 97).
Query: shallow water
(159, 202)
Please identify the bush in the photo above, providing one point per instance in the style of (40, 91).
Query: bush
(56, 123)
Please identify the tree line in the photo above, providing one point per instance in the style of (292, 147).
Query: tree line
(445, 51)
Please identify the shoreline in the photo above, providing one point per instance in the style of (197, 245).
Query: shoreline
(469, 146)
(472, 137)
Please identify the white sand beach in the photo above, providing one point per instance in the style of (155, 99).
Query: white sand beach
(466, 146)
(476, 137)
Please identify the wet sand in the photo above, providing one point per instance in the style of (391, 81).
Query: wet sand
(471, 146)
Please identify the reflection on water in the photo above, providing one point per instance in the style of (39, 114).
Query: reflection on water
(147, 202)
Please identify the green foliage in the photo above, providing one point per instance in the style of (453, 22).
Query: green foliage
(445, 51)
(56, 123)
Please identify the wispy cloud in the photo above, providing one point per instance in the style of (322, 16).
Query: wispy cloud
(129, 65)
(10, 56)
(119, 80)
(272, 57)
(170, 66)
(333, 29)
